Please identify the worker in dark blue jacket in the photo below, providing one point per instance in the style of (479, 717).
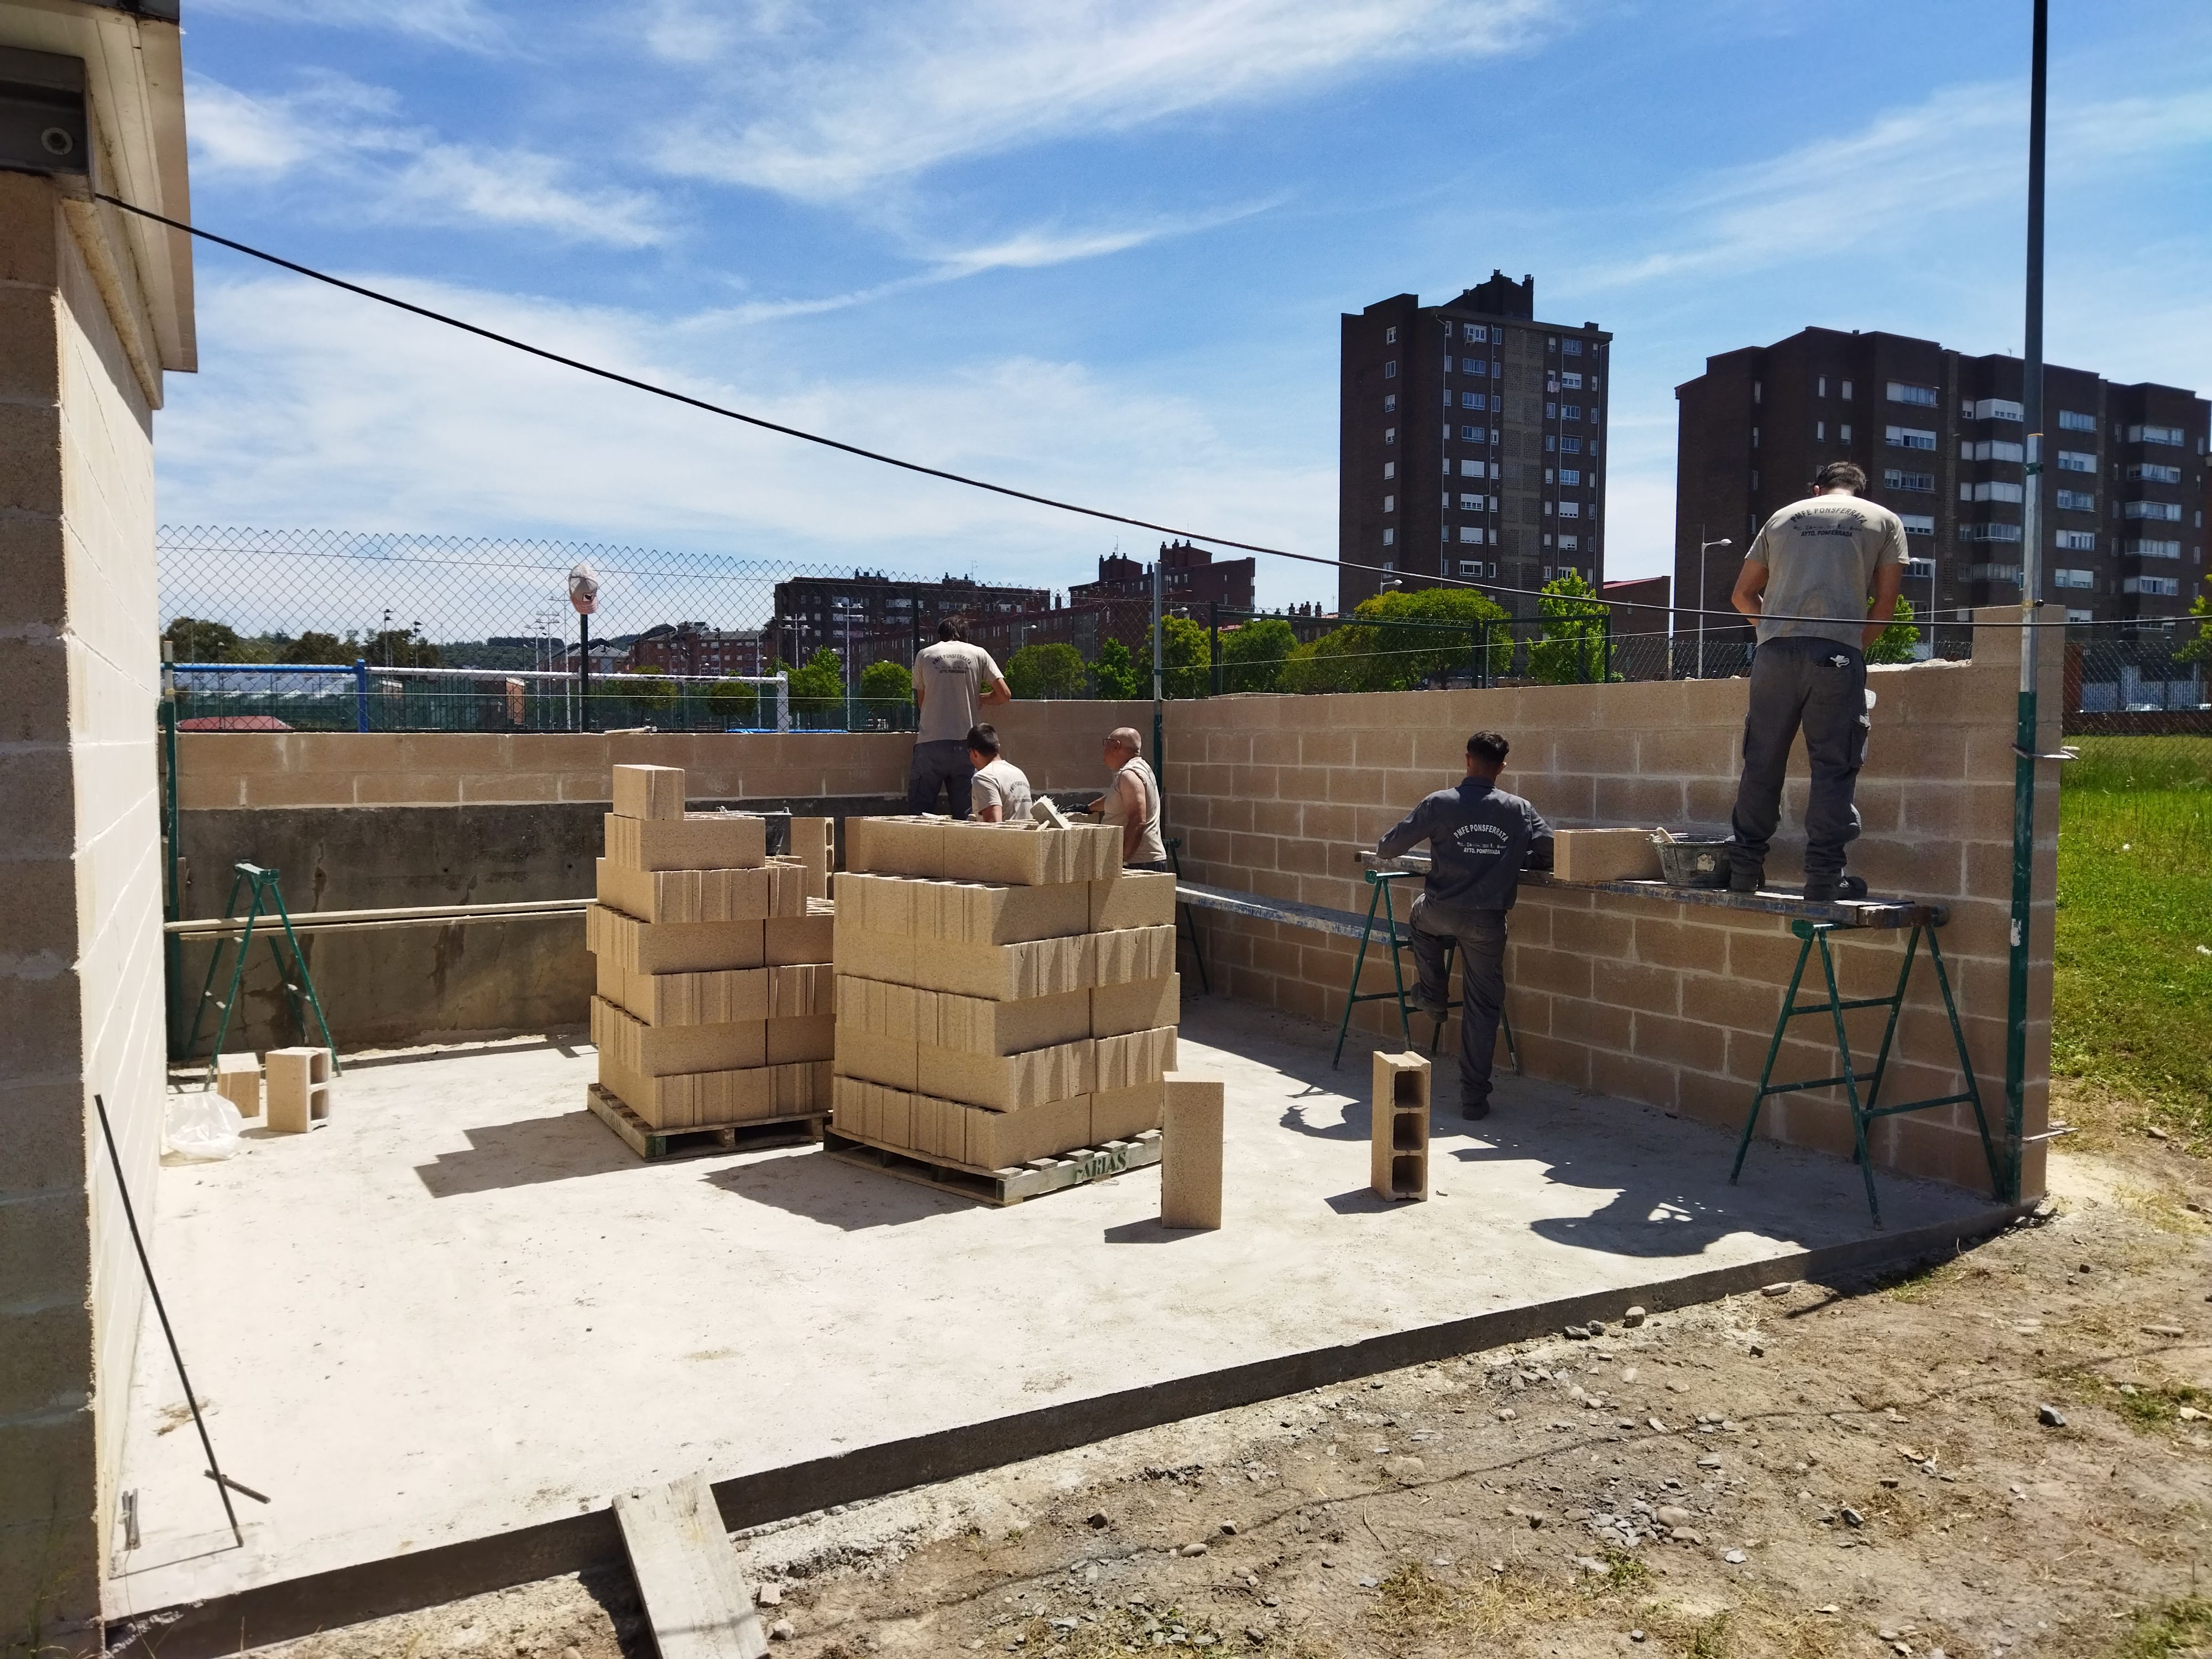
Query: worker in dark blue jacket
(1480, 839)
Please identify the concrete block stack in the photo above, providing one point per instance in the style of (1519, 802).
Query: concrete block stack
(715, 992)
(1004, 991)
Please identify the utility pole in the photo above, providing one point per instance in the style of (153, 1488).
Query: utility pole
(2031, 599)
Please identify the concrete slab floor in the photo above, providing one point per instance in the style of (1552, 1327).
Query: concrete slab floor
(463, 1306)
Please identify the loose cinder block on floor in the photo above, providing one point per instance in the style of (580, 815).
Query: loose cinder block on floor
(1190, 1150)
(237, 1080)
(1399, 1125)
(299, 1084)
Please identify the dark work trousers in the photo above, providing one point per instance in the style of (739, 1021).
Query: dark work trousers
(1820, 686)
(1481, 937)
(944, 766)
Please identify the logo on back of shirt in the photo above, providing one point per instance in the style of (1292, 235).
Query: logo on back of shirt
(1480, 839)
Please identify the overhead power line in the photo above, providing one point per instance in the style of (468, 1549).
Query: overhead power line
(903, 464)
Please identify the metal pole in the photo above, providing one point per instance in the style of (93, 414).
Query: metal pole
(1159, 723)
(584, 674)
(1703, 553)
(2030, 597)
(1213, 628)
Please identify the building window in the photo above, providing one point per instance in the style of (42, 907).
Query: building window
(1992, 449)
(1844, 392)
(1551, 411)
(2152, 472)
(1475, 332)
(1551, 343)
(1389, 469)
(2075, 461)
(2077, 541)
(1496, 368)
(1390, 539)
(1921, 569)
(1468, 365)
(1754, 437)
(1824, 386)
(2073, 579)
(1892, 479)
(1993, 492)
(2162, 512)
(1391, 369)
(1470, 503)
(1472, 435)
(1819, 432)
(1844, 432)
(1389, 434)
(1571, 474)
(1989, 533)
(1918, 524)
(1573, 348)
(1467, 532)
(1571, 411)
(1551, 443)
(1473, 400)
(1572, 445)
(1904, 391)
(1389, 503)
(1571, 509)
(1389, 337)
(1470, 469)
(2138, 547)
(2076, 501)
(2155, 435)
(1991, 409)
(1390, 404)
(1992, 573)
(2073, 420)
(2163, 587)
(1569, 544)
(1571, 380)
(1909, 437)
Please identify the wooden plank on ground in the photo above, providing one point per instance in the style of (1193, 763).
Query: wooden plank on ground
(698, 1604)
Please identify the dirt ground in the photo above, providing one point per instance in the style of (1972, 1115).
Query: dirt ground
(2008, 1454)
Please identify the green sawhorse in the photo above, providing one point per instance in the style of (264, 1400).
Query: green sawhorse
(265, 901)
(1186, 923)
(1865, 1108)
(1378, 896)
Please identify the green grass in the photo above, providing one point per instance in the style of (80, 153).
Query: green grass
(2177, 1628)
(2133, 995)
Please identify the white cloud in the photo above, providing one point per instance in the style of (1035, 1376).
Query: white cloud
(324, 410)
(882, 98)
(460, 23)
(335, 129)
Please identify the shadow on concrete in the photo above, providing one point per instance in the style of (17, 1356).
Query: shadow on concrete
(818, 1186)
(1150, 1232)
(567, 1047)
(528, 1153)
(1365, 1201)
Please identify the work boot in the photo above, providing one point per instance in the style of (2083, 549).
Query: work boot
(1826, 890)
(1474, 1109)
(1747, 878)
(1425, 1007)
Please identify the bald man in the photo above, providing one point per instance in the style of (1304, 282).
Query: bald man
(1132, 801)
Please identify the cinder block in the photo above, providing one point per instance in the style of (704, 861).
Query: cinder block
(809, 1036)
(1004, 973)
(1118, 1113)
(796, 990)
(1138, 1057)
(896, 846)
(1028, 855)
(777, 888)
(1136, 1005)
(1001, 1141)
(881, 1007)
(1134, 898)
(1004, 1082)
(721, 998)
(981, 1026)
(811, 846)
(1604, 855)
(698, 841)
(988, 914)
(669, 1050)
(1132, 953)
(237, 1080)
(695, 1100)
(299, 1086)
(680, 947)
(1190, 1150)
(649, 791)
(790, 941)
(1399, 1125)
(893, 1061)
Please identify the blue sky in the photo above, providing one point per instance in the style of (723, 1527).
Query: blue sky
(1100, 250)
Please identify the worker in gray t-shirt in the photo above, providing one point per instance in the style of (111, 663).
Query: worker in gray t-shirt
(1821, 582)
(953, 683)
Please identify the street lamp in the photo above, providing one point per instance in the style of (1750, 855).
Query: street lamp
(1704, 547)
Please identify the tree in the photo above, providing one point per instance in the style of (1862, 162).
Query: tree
(193, 639)
(399, 648)
(1895, 643)
(887, 683)
(819, 687)
(651, 689)
(1116, 674)
(2200, 649)
(1572, 650)
(314, 648)
(733, 702)
(1252, 656)
(1341, 660)
(1185, 658)
(1400, 640)
(1037, 672)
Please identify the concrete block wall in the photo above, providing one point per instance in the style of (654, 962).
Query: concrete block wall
(1647, 1000)
(80, 938)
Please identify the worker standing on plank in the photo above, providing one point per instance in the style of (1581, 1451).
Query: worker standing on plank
(1132, 801)
(1480, 839)
(953, 683)
(1002, 788)
(1838, 561)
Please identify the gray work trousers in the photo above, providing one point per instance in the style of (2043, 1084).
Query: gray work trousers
(1819, 686)
(942, 765)
(1481, 937)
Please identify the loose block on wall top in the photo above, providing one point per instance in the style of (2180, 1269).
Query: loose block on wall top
(698, 841)
(1604, 855)
(680, 947)
(777, 888)
(237, 1080)
(649, 791)
(1190, 1150)
(1132, 898)
(1399, 1125)
(299, 1084)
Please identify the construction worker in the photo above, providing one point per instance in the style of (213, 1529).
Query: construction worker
(1132, 801)
(1480, 839)
(1827, 568)
(953, 683)
(1002, 789)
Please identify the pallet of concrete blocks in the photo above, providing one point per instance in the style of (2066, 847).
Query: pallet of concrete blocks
(1007, 1003)
(713, 1006)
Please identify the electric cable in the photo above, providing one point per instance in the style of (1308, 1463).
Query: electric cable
(1734, 618)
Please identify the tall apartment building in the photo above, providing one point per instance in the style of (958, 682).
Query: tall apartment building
(813, 612)
(1470, 443)
(1940, 437)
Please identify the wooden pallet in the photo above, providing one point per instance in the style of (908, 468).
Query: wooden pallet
(652, 1144)
(1010, 1186)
